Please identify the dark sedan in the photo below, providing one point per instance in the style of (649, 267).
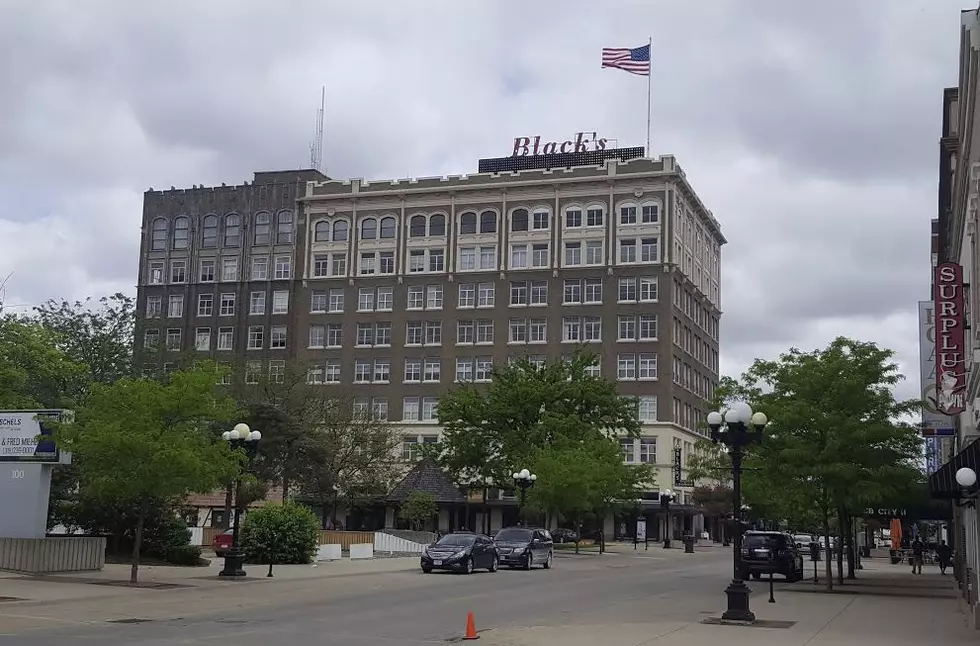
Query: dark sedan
(461, 553)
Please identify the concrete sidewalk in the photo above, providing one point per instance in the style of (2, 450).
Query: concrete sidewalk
(18, 590)
(866, 612)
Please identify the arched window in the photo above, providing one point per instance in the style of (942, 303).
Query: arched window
(488, 222)
(263, 229)
(437, 225)
(321, 231)
(284, 227)
(416, 228)
(209, 232)
(467, 223)
(158, 235)
(340, 230)
(369, 229)
(182, 231)
(388, 227)
(519, 220)
(233, 230)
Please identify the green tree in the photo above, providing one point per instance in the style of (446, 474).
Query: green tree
(280, 534)
(148, 443)
(836, 443)
(34, 372)
(418, 509)
(98, 335)
(488, 431)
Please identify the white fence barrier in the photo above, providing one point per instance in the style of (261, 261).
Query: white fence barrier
(361, 551)
(387, 543)
(328, 553)
(197, 535)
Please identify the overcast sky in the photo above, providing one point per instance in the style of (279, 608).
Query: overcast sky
(809, 128)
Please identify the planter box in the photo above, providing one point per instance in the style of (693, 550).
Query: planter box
(52, 554)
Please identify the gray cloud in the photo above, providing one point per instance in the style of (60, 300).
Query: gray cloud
(810, 130)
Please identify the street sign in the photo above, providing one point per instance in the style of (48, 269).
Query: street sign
(676, 468)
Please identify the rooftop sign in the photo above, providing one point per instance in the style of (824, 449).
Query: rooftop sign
(583, 142)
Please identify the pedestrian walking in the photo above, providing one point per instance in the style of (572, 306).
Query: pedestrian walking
(917, 549)
(942, 555)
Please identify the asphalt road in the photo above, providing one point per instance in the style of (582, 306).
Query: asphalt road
(414, 608)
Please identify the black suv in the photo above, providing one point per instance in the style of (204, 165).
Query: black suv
(765, 552)
(525, 546)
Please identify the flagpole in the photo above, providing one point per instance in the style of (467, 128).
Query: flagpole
(649, 90)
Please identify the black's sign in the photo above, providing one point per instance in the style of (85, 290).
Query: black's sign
(678, 476)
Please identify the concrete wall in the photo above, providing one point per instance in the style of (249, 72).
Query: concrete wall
(50, 555)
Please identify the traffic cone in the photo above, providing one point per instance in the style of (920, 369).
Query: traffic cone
(470, 627)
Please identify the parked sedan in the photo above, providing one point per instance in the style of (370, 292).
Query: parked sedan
(525, 547)
(462, 552)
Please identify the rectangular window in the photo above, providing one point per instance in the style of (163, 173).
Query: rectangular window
(626, 328)
(175, 306)
(646, 365)
(321, 265)
(595, 218)
(410, 409)
(365, 299)
(539, 255)
(626, 367)
(593, 290)
(433, 297)
(593, 252)
(151, 339)
(256, 337)
(260, 268)
(332, 374)
(429, 406)
(486, 294)
(627, 215)
(647, 329)
(386, 299)
(467, 259)
(318, 335)
(226, 338)
(284, 268)
(314, 374)
(518, 256)
(466, 295)
(318, 301)
(336, 304)
(277, 337)
(517, 331)
(413, 333)
(416, 261)
(432, 370)
(205, 304)
(627, 250)
(465, 332)
(335, 335)
(202, 339)
(571, 329)
(649, 289)
(277, 370)
(573, 219)
(226, 305)
(483, 369)
(413, 370)
(464, 370)
(174, 339)
(256, 303)
(208, 270)
(154, 306)
(253, 369)
(433, 333)
(280, 302)
(539, 292)
(484, 331)
(573, 254)
(650, 214)
(649, 250)
(338, 264)
(572, 292)
(379, 408)
(629, 450)
(488, 258)
(367, 265)
(648, 450)
(627, 290)
(416, 297)
(538, 331)
(229, 269)
(365, 334)
(382, 334)
(362, 371)
(437, 260)
(592, 329)
(178, 271)
(155, 274)
(386, 262)
(518, 293)
(382, 371)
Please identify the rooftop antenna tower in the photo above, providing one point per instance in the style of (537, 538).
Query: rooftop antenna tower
(316, 147)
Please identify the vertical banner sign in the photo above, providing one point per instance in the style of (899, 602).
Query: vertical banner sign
(950, 348)
(932, 419)
(676, 468)
(933, 461)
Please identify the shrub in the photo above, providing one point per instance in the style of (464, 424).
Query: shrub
(280, 534)
(184, 555)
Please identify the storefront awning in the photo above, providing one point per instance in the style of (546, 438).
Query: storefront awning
(942, 483)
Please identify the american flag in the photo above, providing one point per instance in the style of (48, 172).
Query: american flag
(634, 61)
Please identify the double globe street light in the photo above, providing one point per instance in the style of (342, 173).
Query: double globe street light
(738, 428)
(523, 480)
(666, 497)
(240, 437)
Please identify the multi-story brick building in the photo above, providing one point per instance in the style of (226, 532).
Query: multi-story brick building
(400, 289)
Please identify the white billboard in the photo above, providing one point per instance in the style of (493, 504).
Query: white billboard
(25, 437)
(933, 422)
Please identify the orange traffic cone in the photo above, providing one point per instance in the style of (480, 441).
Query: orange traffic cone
(470, 627)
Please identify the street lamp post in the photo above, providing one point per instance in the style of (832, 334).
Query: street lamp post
(666, 497)
(523, 480)
(240, 437)
(737, 429)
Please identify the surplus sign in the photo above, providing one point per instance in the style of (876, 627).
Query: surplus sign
(950, 340)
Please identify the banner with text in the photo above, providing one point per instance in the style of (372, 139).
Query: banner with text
(24, 437)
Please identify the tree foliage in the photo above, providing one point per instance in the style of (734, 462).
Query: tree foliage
(148, 443)
(280, 534)
(34, 372)
(490, 430)
(418, 509)
(836, 443)
(715, 500)
(97, 334)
